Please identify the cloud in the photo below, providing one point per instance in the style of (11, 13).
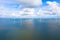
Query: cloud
(51, 10)
(30, 2)
(48, 11)
(22, 2)
(54, 7)
(10, 13)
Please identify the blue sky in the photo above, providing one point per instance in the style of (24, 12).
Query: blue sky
(50, 0)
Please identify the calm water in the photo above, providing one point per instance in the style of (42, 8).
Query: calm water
(29, 29)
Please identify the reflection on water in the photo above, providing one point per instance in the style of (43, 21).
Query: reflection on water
(29, 29)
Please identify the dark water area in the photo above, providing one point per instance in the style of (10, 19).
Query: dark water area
(29, 29)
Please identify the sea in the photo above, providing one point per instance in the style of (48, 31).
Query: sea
(29, 28)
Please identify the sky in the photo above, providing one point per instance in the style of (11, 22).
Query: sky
(33, 8)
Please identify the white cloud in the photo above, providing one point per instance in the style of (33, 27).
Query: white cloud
(5, 12)
(30, 2)
(24, 2)
(51, 10)
(55, 7)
